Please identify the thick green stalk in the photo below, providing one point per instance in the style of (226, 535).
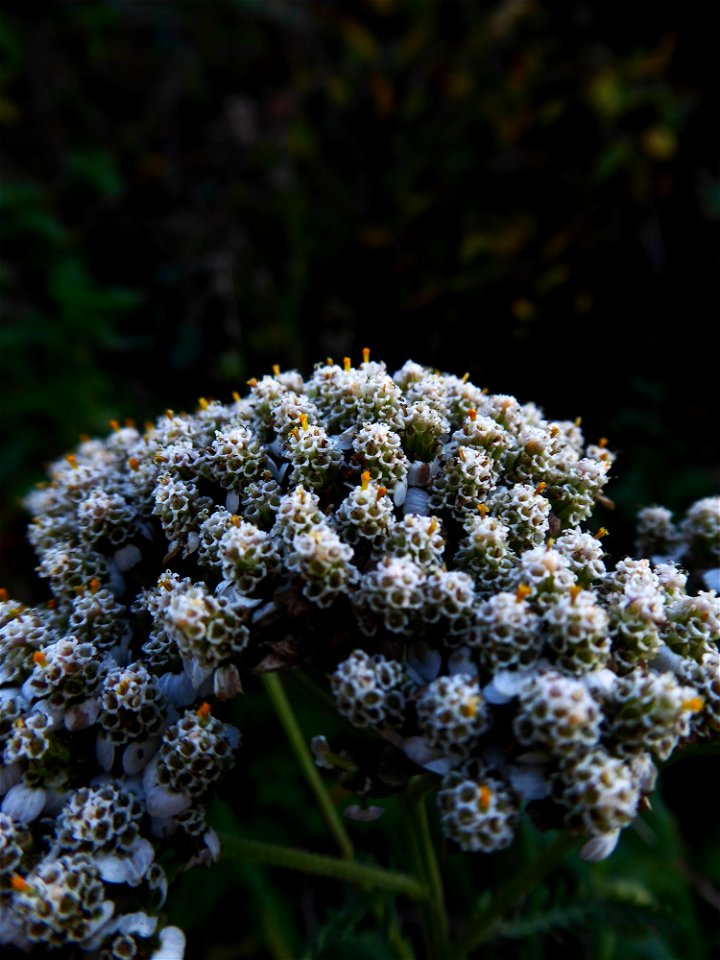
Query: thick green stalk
(284, 711)
(521, 884)
(274, 855)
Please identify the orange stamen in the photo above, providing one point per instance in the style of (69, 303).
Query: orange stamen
(602, 532)
(346, 363)
(522, 591)
(114, 425)
(366, 354)
(134, 463)
(485, 798)
(694, 704)
(203, 711)
(19, 884)
(483, 509)
(472, 414)
(39, 658)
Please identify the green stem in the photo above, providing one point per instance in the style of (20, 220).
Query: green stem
(528, 877)
(274, 688)
(274, 855)
(423, 850)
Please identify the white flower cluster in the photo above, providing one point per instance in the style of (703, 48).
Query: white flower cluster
(412, 536)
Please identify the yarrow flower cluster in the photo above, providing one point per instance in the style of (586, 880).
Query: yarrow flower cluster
(413, 538)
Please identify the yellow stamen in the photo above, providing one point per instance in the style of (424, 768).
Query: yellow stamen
(470, 707)
(554, 431)
(169, 414)
(602, 532)
(433, 525)
(252, 382)
(122, 687)
(574, 591)
(114, 425)
(202, 403)
(329, 362)
(461, 454)
(465, 377)
(235, 520)
(149, 426)
(578, 421)
(550, 543)
(276, 369)
(364, 479)
(694, 704)
(84, 438)
(366, 354)
(522, 591)
(236, 396)
(484, 798)
(602, 442)
(72, 460)
(39, 658)
(346, 363)
(303, 421)
(483, 509)
(19, 884)
(540, 487)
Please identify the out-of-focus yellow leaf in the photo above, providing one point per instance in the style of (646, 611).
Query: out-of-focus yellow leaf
(659, 142)
(338, 90)
(606, 93)
(381, 6)
(9, 113)
(583, 303)
(375, 236)
(361, 41)
(555, 277)
(653, 63)
(523, 310)
(473, 244)
(383, 93)
(459, 84)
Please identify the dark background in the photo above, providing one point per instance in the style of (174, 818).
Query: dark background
(525, 191)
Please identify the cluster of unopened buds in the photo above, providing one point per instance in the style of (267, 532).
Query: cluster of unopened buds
(414, 541)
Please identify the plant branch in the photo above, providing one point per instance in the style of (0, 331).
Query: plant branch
(274, 855)
(274, 688)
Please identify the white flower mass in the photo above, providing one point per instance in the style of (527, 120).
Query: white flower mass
(418, 542)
